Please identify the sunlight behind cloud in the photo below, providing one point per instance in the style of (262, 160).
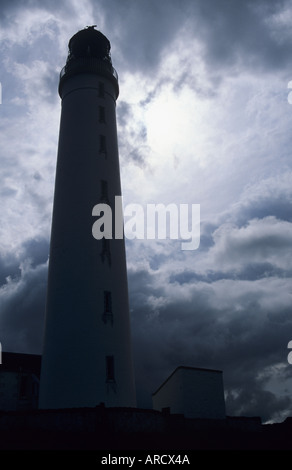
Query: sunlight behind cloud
(172, 122)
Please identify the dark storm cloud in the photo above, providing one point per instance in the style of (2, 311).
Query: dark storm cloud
(260, 241)
(9, 267)
(11, 7)
(250, 272)
(240, 33)
(141, 30)
(253, 401)
(36, 250)
(22, 297)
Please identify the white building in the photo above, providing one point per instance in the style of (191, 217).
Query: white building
(87, 355)
(193, 392)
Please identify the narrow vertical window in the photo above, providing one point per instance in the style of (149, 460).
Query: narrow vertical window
(105, 251)
(107, 302)
(110, 369)
(101, 89)
(101, 113)
(104, 191)
(102, 144)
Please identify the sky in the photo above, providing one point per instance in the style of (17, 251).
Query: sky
(204, 117)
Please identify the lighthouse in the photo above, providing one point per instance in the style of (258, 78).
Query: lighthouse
(87, 358)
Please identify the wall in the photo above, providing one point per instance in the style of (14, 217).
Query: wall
(116, 420)
(18, 390)
(8, 390)
(195, 393)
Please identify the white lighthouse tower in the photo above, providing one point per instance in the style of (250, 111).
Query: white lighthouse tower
(87, 345)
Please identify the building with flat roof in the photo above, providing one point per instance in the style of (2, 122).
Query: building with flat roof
(193, 392)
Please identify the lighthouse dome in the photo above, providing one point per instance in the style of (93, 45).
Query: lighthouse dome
(89, 52)
(89, 43)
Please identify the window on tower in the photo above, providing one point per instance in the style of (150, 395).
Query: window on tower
(110, 369)
(104, 191)
(105, 251)
(107, 301)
